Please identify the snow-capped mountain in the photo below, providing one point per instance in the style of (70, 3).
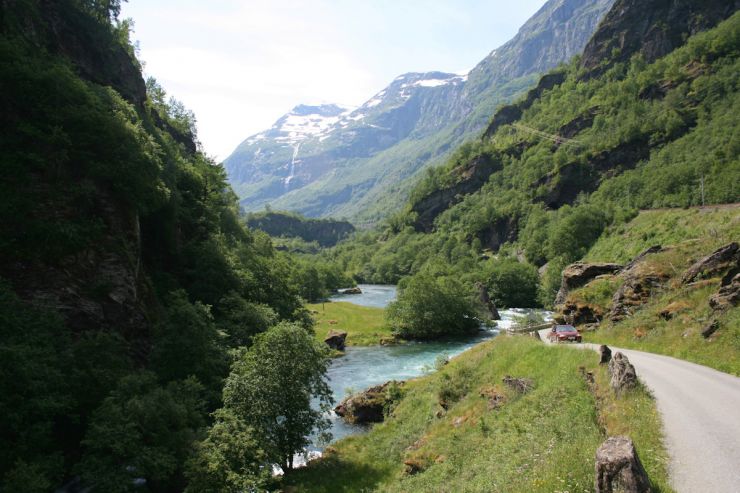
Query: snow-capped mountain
(358, 163)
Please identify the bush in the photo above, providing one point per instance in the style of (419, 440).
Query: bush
(430, 307)
(512, 283)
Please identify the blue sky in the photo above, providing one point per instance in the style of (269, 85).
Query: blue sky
(240, 65)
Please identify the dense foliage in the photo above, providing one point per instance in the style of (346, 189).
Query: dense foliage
(430, 306)
(271, 386)
(127, 275)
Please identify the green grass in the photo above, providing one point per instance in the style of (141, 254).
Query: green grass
(542, 441)
(365, 326)
(710, 226)
(679, 336)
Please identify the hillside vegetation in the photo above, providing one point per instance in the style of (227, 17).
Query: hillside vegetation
(325, 232)
(489, 437)
(674, 314)
(129, 286)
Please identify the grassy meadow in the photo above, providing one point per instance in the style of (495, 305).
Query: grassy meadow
(365, 326)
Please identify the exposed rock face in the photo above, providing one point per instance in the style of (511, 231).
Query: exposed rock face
(367, 406)
(728, 294)
(639, 284)
(100, 287)
(564, 185)
(622, 372)
(653, 28)
(606, 354)
(335, 340)
(579, 274)
(326, 232)
(511, 113)
(719, 261)
(471, 178)
(579, 314)
(487, 302)
(618, 468)
(649, 251)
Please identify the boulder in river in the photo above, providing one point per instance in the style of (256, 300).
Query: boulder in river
(618, 468)
(622, 372)
(355, 290)
(335, 340)
(579, 274)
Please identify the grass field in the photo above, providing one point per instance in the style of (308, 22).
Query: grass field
(365, 326)
(541, 441)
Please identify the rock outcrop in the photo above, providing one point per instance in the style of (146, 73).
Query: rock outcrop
(710, 329)
(623, 375)
(639, 283)
(716, 263)
(728, 294)
(652, 28)
(336, 340)
(579, 274)
(605, 354)
(368, 406)
(579, 313)
(618, 468)
(355, 290)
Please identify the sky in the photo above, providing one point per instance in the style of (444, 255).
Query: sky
(240, 65)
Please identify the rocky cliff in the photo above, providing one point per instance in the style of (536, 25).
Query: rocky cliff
(653, 28)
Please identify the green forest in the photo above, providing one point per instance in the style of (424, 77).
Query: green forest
(170, 302)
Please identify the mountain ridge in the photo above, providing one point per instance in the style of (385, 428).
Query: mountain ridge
(412, 123)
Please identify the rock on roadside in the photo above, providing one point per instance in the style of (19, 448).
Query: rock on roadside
(622, 372)
(618, 468)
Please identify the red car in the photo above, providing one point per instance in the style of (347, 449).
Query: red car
(564, 333)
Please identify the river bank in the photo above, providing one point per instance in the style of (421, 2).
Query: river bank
(490, 437)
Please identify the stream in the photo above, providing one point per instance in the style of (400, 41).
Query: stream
(363, 367)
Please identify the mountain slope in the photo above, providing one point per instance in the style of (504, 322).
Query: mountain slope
(360, 166)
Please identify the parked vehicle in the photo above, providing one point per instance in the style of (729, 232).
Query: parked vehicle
(564, 333)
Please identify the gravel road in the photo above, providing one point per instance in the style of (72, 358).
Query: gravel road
(700, 408)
